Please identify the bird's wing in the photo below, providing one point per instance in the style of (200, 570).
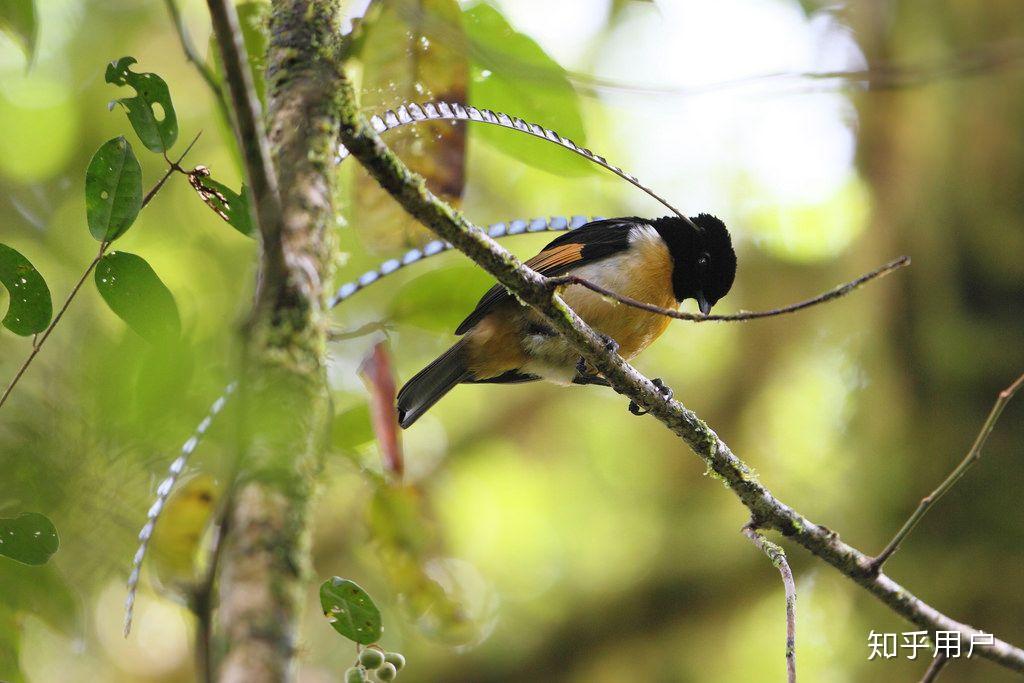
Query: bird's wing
(586, 244)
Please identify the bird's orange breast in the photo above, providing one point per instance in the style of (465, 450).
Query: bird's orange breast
(503, 340)
(644, 272)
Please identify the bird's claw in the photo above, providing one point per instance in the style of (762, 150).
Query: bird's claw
(610, 345)
(665, 391)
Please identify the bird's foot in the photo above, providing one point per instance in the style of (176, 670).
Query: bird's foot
(583, 368)
(610, 344)
(666, 391)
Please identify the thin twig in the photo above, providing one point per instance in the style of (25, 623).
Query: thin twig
(202, 597)
(778, 557)
(934, 668)
(172, 166)
(37, 343)
(251, 136)
(973, 455)
(361, 331)
(989, 58)
(832, 294)
(192, 55)
(1004, 56)
(53, 323)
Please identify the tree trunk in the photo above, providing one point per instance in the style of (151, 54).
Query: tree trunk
(284, 399)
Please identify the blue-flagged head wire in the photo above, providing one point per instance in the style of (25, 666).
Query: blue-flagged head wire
(516, 227)
(435, 111)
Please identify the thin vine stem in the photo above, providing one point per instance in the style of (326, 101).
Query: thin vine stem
(777, 555)
(834, 293)
(193, 56)
(951, 480)
(37, 344)
(935, 668)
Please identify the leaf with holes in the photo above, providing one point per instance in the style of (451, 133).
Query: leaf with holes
(18, 20)
(135, 293)
(513, 74)
(150, 111)
(29, 538)
(113, 190)
(235, 210)
(412, 51)
(30, 308)
(350, 610)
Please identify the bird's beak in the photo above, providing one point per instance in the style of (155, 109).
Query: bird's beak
(703, 303)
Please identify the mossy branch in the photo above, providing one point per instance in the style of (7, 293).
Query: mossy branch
(533, 289)
(283, 398)
(777, 555)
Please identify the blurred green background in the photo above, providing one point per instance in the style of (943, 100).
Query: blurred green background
(546, 534)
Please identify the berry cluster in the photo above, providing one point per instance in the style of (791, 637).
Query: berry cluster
(384, 665)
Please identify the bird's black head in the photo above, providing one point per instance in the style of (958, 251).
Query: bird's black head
(704, 263)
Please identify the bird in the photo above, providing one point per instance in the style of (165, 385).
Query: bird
(662, 261)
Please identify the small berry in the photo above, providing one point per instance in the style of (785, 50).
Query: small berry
(387, 672)
(371, 658)
(395, 658)
(355, 675)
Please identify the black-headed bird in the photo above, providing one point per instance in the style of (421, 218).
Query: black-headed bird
(661, 262)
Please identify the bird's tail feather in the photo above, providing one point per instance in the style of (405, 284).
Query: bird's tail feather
(431, 383)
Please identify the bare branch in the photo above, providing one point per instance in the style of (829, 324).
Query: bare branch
(989, 59)
(410, 190)
(192, 55)
(935, 668)
(361, 331)
(831, 295)
(778, 557)
(973, 455)
(252, 139)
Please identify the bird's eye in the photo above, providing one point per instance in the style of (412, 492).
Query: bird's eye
(703, 261)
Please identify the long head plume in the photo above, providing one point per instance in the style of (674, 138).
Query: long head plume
(433, 111)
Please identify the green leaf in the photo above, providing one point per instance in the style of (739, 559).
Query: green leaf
(113, 190)
(40, 591)
(439, 300)
(29, 538)
(513, 74)
(252, 19)
(350, 610)
(18, 20)
(30, 307)
(136, 294)
(236, 210)
(10, 646)
(150, 111)
(43, 592)
(351, 428)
